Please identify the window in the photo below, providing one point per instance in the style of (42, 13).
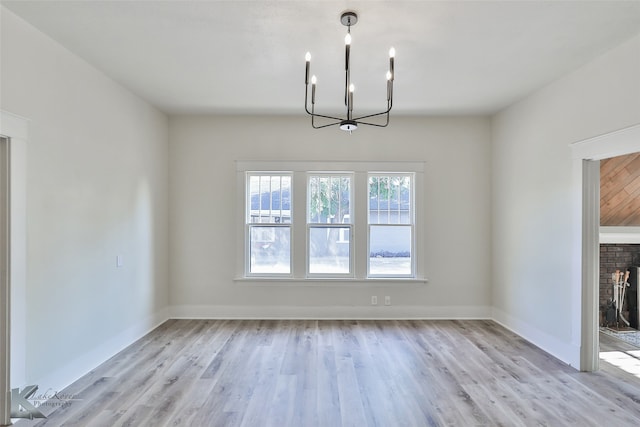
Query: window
(391, 223)
(351, 221)
(329, 224)
(268, 223)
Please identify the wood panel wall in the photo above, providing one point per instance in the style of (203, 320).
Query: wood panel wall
(620, 191)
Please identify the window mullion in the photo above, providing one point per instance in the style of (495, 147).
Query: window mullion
(359, 212)
(299, 224)
(398, 203)
(339, 186)
(378, 202)
(259, 199)
(280, 197)
(388, 180)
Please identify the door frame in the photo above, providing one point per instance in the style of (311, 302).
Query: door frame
(586, 156)
(5, 288)
(13, 318)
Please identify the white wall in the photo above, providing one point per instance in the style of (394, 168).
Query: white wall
(97, 182)
(534, 230)
(203, 218)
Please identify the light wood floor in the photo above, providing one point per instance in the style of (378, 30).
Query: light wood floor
(343, 373)
(609, 343)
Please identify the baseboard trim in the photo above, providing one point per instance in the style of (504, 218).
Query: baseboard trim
(569, 354)
(328, 312)
(72, 371)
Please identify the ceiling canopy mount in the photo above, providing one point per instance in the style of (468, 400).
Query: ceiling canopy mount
(349, 18)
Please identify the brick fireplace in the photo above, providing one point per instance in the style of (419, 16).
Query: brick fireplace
(614, 256)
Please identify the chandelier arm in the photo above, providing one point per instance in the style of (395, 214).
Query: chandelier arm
(313, 114)
(306, 101)
(347, 67)
(325, 117)
(322, 126)
(386, 123)
(346, 83)
(357, 119)
(306, 95)
(346, 89)
(376, 124)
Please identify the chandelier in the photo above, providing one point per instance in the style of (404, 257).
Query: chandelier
(349, 123)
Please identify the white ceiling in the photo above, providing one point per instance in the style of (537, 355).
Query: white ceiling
(453, 57)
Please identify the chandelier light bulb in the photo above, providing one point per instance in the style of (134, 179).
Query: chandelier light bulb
(388, 75)
(347, 39)
(307, 57)
(392, 52)
(314, 80)
(351, 88)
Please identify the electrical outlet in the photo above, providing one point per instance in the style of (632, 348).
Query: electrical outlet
(387, 300)
(374, 300)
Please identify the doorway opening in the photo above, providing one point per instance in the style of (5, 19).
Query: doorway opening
(620, 247)
(587, 155)
(619, 302)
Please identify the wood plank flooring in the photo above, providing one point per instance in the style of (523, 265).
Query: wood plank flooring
(609, 343)
(343, 373)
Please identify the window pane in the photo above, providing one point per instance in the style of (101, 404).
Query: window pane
(390, 199)
(389, 250)
(329, 250)
(269, 199)
(329, 199)
(270, 250)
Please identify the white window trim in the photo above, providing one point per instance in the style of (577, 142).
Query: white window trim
(360, 171)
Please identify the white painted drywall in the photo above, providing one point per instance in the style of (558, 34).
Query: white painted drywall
(536, 270)
(203, 151)
(97, 182)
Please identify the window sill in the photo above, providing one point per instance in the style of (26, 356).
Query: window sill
(329, 281)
